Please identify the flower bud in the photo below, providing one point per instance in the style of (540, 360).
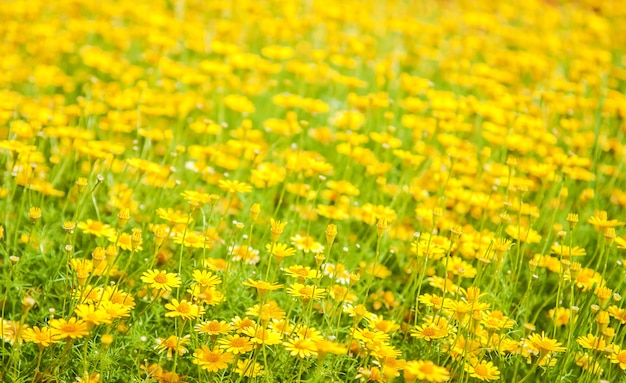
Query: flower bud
(34, 214)
(381, 227)
(602, 320)
(255, 210)
(98, 256)
(277, 229)
(159, 236)
(69, 226)
(135, 238)
(572, 219)
(81, 184)
(331, 233)
(122, 217)
(609, 236)
(111, 252)
(106, 340)
(28, 303)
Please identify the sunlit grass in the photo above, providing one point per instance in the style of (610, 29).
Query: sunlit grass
(312, 191)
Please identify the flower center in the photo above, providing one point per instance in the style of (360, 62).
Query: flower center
(95, 226)
(184, 308)
(303, 273)
(160, 278)
(69, 328)
(427, 369)
(481, 370)
(238, 342)
(212, 357)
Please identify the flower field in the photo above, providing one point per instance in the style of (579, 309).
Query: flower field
(312, 191)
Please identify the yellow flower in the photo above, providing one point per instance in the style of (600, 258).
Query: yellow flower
(96, 228)
(239, 103)
(212, 360)
(501, 245)
(305, 332)
(280, 250)
(331, 233)
(262, 287)
(136, 239)
(566, 251)
(174, 216)
(194, 197)
(444, 284)
(235, 344)
(160, 280)
(621, 243)
(73, 328)
(431, 330)
(115, 295)
(371, 374)
(244, 253)
(302, 273)
(183, 309)
(381, 227)
(484, 371)
(461, 268)
(191, 239)
(255, 210)
(213, 327)
(588, 363)
(431, 300)
(618, 356)
(126, 241)
(324, 347)
(270, 310)
(523, 234)
(307, 244)
(88, 378)
(305, 292)
(277, 228)
(600, 221)
(115, 310)
(425, 370)
(617, 313)
(83, 268)
(234, 186)
(42, 337)
(591, 341)
(122, 217)
(380, 324)
(262, 336)
(604, 294)
(90, 314)
(496, 320)
(249, 368)
(172, 344)
(588, 278)
(543, 344)
(34, 214)
(358, 312)
(241, 324)
(366, 335)
(206, 279)
(300, 347)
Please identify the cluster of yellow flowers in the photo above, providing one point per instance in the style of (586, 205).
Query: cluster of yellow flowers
(312, 190)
